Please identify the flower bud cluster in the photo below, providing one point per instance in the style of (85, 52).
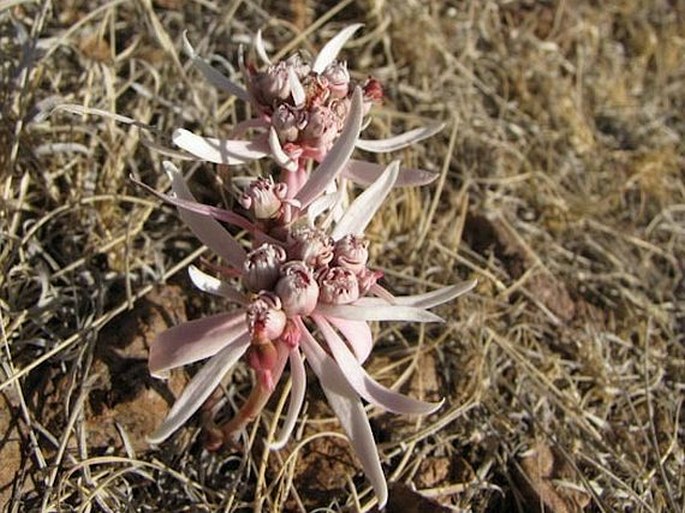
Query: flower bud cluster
(289, 280)
(307, 109)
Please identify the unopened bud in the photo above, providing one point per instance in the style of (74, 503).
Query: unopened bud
(262, 267)
(287, 122)
(351, 252)
(297, 289)
(311, 245)
(265, 318)
(264, 197)
(321, 129)
(338, 286)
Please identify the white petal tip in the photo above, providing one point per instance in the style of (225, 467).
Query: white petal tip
(277, 445)
(187, 47)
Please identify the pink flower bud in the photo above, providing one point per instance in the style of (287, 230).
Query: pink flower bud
(368, 278)
(338, 79)
(287, 121)
(373, 93)
(297, 289)
(310, 245)
(264, 197)
(270, 86)
(338, 286)
(262, 267)
(265, 318)
(373, 90)
(351, 252)
(321, 129)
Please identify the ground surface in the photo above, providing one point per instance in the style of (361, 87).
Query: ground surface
(561, 189)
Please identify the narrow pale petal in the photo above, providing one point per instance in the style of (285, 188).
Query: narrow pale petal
(358, 336)
(349, 410)
(427, 300)
(259, 48)
(364, 384)
(365, 173)
(280, 156)
(231, 152)
(213, 285)
(193, 341)
(207, 230)
(330, 50)
(358, 215)
(84, 111)
(377, 313)
(382, 293)
(399, 141)
(213, 76)
(320, 205)
(299, 378)
(219, 214)
(296, 88)
(335, 160)
(200, 388)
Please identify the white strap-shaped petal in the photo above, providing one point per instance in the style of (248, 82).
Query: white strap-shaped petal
(331, 49)
(206, 229)
(219, 214)
(213, 76)
(426, 300)
(80, 109)
(213, 285)
(232, 152)
(200, 388)
(378, 313)
(194, 341)
(364, 384)
(349, 410)
(335, 160)
(299, 378)
(365, 173)
(296, 88)
(278, 154)
(260, 49)
(358, 215)
(321, 205)
(400, 141)
(358, 336)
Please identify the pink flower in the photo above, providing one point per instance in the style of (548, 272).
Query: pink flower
(277, 326)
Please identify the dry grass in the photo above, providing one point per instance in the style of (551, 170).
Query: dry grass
(561, 188)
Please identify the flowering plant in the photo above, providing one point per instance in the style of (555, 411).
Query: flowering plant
(303, 284)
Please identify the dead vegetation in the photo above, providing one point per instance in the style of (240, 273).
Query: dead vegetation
(561, 188)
